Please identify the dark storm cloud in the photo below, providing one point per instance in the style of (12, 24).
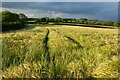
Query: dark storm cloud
(107, 10)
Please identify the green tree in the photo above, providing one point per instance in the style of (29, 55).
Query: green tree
(23, 18)
(45, 19)
(58, 19)
(117, 24)
(52, 20)
(11, 21)
(83, 21)
(109, 23)
(38, 20)
(9, 17)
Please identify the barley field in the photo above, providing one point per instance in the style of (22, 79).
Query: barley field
(60, 51)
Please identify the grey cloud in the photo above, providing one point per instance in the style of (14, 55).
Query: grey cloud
(75, 9)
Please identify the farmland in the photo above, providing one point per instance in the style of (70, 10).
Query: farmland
(60, 51)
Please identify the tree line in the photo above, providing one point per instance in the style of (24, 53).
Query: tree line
(13, 21)
(46, 20)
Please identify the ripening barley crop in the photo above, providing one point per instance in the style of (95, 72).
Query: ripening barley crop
(60, 52)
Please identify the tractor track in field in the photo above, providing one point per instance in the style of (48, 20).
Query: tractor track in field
(45, 46)
(47, 56)
(69, 38)
(47, 53)
(74, 41)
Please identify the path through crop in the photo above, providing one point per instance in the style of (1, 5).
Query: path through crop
(45, 45)
(70, 38)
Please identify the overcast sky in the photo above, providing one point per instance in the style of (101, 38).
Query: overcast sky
(90, 10)
(60, 0)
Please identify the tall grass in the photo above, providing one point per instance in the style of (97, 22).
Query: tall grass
(60, 52)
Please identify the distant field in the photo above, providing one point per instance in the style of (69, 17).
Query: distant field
(48, 51)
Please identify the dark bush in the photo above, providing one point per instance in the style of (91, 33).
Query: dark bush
(12, 21)
(7, 26)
